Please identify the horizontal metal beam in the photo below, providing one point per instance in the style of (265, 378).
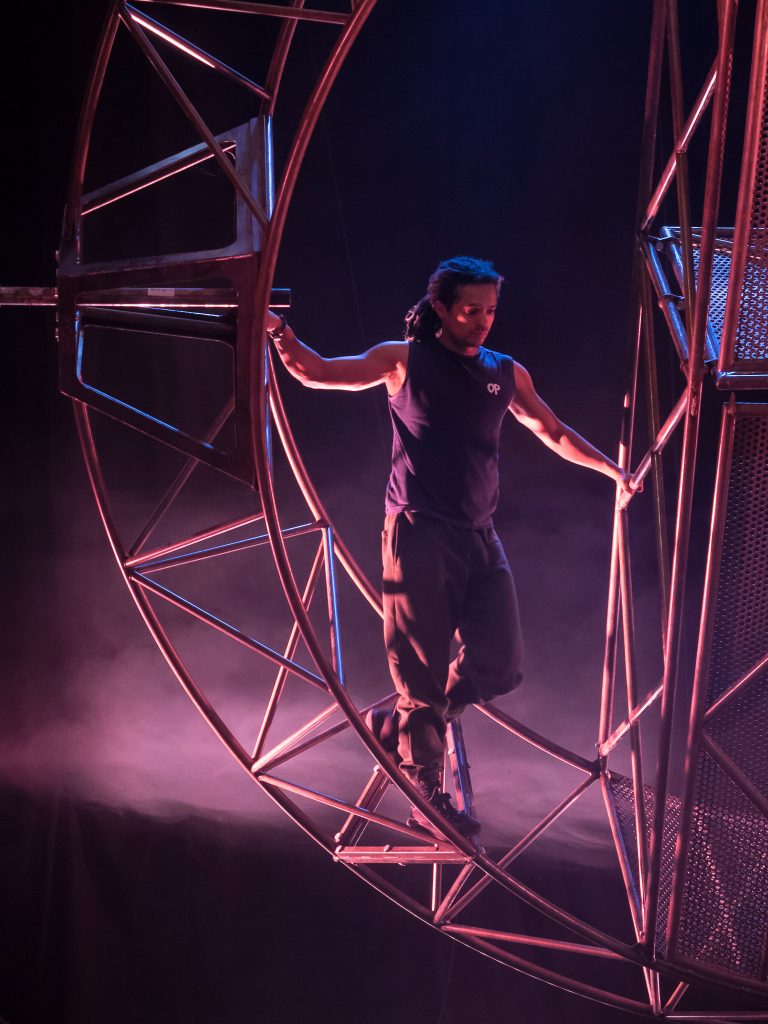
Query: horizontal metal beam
(267, 10)
(152, 563)
(25, 295)
(140, 321)
(440, 854)
(141, 298)
(531, 940)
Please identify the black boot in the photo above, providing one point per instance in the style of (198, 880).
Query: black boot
(429, 787)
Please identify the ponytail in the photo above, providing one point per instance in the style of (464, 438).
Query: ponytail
(421, 322)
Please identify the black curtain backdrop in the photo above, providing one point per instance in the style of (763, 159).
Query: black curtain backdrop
(142, 877)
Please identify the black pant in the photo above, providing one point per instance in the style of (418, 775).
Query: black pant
(441, 580)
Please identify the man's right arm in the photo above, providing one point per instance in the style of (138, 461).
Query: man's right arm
(383, 364)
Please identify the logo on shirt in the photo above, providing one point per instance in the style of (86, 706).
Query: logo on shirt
(494, 389)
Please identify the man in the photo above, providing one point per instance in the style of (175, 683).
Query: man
(445, 572)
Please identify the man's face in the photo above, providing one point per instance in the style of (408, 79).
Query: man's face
(468, 320)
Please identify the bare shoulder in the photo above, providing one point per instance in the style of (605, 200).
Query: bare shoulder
(522, 376)
(523, 388)
(392, 359)
(392, 351)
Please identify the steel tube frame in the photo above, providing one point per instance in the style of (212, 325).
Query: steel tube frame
(72, 210)
(725, 449)
(694, 119)
(342, 805)
(289, 652)
(655, 437)
(681, 160)
(26, 295)
(648, 147)
(456, 756)
(139, 322)
(667, 300)
(688, 462)
(662, 437)
(634, 715)
(192, 114)
(152, 175)
(529, 940)
(147, 558)
(230, 548)
(195, 51)
(742, 227)
(717, 1015)
(269, 10)
(633, 898)
(178, 483)
(333, 604)
(297, 742)
(676, 996)
(630, 669)
(457, 905)
(535, 739)
(351, 832)
(735, 688)
(224, 627)
(151, 621)
(598, 995)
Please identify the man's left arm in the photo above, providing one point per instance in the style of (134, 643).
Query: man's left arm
(533, 412)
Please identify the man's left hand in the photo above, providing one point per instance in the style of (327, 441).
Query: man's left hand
(626, 486)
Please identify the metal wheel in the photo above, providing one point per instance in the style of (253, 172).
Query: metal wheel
(220, 535)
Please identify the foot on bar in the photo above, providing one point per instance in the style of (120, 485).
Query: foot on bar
(462, 821)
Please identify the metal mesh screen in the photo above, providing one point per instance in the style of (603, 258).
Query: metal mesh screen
(721, 272)
(725, 894)
(624, 802)
(740, 634)
(751, 341)
(724, 910)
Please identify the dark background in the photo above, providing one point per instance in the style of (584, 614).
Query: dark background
(143, 878)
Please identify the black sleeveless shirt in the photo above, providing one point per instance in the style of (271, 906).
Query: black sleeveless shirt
(446, 420)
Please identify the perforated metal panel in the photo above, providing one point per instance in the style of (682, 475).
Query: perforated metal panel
(725, 897)
(724, 906)
(721, 273)
(751, 340)
(745, 334)
(624, 803)
(740, 634)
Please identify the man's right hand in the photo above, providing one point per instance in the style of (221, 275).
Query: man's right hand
(273, 321)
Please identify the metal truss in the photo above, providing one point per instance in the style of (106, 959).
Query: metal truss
(688, 821)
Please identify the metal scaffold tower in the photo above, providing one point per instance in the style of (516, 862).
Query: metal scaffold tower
(680, 764)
